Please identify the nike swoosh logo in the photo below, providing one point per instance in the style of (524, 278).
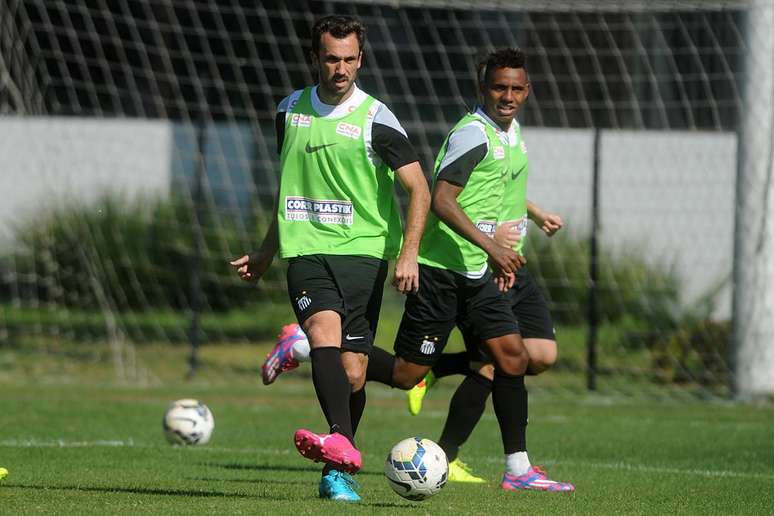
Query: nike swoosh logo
(514, 176)
(311, 149)
(349, 337)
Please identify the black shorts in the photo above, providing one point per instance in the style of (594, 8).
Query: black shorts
(443, 297)
(350, 285)
(530, 308)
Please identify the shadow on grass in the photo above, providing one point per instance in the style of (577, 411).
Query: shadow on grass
(271, 467)
(249, 480)
(201, 494)
(137, 490)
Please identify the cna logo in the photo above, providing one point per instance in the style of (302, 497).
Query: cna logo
(348, 130)
(498, 152)
(303, 302)
(428, 346)
(301, 120)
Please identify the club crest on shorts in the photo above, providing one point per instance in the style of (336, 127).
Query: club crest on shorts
(303, 302)
(428, 345)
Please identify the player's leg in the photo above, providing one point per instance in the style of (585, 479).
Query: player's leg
(510, 401)
(319, 307)
(537, 329)
(291, 349)
(492, 319)
(465, 410)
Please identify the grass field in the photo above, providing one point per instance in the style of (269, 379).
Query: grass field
(91, 446)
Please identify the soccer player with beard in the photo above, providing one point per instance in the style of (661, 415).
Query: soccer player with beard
(337, 224)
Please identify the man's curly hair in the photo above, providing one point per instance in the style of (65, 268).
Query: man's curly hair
(500, 58)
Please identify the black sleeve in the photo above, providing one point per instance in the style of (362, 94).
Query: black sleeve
(458, 171)
(392, 147)
(279, 130)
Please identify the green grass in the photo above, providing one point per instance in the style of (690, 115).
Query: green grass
(77, 443)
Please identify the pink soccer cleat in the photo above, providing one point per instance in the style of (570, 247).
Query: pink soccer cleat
(333, 449)
(280, 359)
(534, 480)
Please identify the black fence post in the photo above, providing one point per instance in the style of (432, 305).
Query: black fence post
(198, 243)
(591, 345)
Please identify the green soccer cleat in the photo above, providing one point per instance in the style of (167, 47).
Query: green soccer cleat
(416, 394)
(460, 472)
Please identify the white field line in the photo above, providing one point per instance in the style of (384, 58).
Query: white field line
(617, 466)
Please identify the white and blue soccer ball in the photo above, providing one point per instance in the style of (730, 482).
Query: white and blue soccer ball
(188, 421)
(416, 468)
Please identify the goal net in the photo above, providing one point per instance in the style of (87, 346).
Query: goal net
(139, 156)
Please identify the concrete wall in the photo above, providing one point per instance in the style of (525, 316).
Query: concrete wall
(45, 161)
(670, 193)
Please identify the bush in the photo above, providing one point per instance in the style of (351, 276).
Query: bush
(128, 256)
(626, 284)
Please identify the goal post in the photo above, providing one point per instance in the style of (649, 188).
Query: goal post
(754, 229)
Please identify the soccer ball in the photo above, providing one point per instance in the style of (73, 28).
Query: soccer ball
(416, 468)
(188, 422)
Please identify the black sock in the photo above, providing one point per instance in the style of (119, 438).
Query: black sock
(465, 410)
(509, 398)
(380, 365)
(333, 390)
(357, 403)
(452, 363)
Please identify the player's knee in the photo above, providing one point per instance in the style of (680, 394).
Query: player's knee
(513, 361)
(541, 357)
(356, 374)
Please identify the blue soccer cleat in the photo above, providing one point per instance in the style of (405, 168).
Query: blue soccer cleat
(337, 485)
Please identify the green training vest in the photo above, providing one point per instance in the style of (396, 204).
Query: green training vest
(515, 195)
(481, 199)
(333, 198)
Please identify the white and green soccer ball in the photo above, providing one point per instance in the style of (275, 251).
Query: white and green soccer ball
(416, 468)
(188, 421)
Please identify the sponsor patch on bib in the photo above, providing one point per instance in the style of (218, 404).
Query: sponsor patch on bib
(348, 130)
(301, 120)
(316, 210)
(487, 226)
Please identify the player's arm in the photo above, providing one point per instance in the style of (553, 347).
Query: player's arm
(406, 269)
(252, 266)
(548, 222)
(392, 146)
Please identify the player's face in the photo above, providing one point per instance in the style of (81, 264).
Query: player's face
(337, 62)
(504, 93)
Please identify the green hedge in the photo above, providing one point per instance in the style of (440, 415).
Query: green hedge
(128, 256)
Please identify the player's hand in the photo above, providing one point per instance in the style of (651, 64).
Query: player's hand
(507, 234)
(504, 281)
(406, 278)
(551, 224)
(505, 259)
(251, 267)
